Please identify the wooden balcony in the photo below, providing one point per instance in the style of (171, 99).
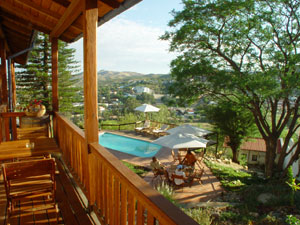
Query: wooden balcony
(114, 193)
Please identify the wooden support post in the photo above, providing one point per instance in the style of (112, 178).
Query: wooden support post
(90, 20)
(54, 49)
(13, 84)
(3, 73)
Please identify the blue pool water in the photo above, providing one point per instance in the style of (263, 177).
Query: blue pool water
(128, 145)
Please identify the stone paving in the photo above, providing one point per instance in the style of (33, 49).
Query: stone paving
(190, 196)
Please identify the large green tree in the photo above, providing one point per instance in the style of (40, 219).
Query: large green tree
(247, 49)
(232, 122)
(34, 79)
(70, 93)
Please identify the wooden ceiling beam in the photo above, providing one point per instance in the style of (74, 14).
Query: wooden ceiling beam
(70, 15)
(29, 22)
(64, 3)
(8, 25)
(17, 12)
(15, 20)
(18, 35)
(53, 15)
(111, 3)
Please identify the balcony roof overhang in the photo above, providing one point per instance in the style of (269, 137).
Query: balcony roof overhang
(60, 19)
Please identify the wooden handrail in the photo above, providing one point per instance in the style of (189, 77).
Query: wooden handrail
(117, 194)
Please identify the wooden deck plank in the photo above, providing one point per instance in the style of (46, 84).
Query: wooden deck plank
(77, 207)
(40, 217)
(26, 217)
(68, 216)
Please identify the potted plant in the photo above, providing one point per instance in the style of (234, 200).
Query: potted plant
(35, 108)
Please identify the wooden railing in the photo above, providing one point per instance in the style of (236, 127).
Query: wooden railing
(9, 126)
(119, 125)
(71, 141)
(5, 119)
(102, 125)
(118, 195)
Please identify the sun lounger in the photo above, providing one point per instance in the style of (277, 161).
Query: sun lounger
(140, 129)
(161, 131)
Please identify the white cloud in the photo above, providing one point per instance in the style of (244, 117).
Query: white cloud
(124, 45)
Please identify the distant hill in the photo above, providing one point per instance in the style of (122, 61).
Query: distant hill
(113, 76)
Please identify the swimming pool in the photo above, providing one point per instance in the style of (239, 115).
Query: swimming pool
(128, 145)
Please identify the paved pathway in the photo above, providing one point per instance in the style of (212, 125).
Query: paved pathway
(207, 191)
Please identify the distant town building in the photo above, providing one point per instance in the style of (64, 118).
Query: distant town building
(101, 109)
(140, 90)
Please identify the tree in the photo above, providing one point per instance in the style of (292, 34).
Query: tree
(34, 78)
(244, 51)
(230, 121)
(129, 104)
(146, 98)
(69, 92)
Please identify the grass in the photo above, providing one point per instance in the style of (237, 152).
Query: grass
(139, 170)
(232, 179)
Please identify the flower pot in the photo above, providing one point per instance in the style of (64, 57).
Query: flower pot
(36, 111)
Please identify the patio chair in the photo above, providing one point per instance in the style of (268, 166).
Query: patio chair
(157, 173)
(29, 180)
(161, 131)
(140, 129)
(200, 157)
(197, 175)
(176, 158)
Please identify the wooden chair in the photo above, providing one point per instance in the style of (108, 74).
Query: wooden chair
(157, 173)
(176, 158)
(197, 175)
(187, 181)
(30, 180)
(200, 157)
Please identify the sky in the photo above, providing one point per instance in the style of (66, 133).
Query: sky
(130, 41)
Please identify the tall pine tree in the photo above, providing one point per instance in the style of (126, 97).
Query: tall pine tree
(33, 80)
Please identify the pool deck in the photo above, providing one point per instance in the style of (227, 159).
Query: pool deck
(207, 191)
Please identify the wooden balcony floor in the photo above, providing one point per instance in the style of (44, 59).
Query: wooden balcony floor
(71, 210)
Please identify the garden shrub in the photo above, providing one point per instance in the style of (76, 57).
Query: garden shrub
(201, 216)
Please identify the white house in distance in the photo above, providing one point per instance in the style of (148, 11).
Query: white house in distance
(140, 90)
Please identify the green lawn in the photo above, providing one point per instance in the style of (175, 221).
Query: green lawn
(139, 170)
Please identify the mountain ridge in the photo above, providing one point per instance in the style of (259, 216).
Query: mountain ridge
(108, 75)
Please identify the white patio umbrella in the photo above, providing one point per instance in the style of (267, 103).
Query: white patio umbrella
(179, 140)
(147, 108)
(189, 129)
